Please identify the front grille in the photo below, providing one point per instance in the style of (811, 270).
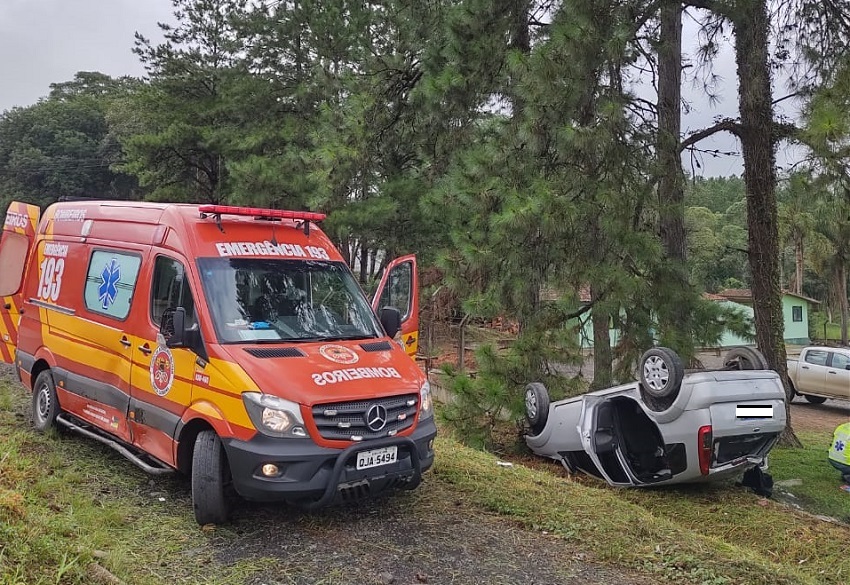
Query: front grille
(275, 352)
(346, 420)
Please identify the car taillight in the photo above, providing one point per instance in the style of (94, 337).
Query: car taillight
(704, 441)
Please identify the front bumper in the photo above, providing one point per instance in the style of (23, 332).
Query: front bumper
(318, 476)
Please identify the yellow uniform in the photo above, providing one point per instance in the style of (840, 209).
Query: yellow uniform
(839, 451)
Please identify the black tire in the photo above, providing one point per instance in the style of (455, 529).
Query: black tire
(745, 358)
(661, 372)
(790, 391)
(209, 479)
(536, 406)
(814, 399)
(45, 403)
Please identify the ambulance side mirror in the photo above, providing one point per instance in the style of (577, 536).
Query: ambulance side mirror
(391, 320)
(175, 336)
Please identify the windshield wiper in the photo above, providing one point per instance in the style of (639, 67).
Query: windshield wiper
(350, 337)
(317, 338)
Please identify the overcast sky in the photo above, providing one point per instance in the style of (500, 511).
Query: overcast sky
(47, 41)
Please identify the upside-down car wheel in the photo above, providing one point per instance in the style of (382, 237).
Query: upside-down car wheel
(536, 406)
(661, 372)
(745, 358)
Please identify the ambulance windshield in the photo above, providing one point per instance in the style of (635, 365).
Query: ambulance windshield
(272, 300)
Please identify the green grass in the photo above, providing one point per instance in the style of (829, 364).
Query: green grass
(819, 491)
(69, 506)
(690, 534)
(833, 330)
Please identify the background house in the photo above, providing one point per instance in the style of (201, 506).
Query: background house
(795, 310)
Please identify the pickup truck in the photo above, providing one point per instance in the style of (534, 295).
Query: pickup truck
(821, 373)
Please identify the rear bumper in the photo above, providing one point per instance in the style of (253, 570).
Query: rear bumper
(320, 476)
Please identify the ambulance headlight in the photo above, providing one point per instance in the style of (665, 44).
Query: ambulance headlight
(426, 409)
(273, 416)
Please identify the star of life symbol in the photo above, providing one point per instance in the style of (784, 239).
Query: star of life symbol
(839, 445)
(108, 290)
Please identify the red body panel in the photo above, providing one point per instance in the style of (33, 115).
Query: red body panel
(108, 367)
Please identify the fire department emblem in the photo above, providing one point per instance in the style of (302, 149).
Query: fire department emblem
(339, 354)
(162, 370)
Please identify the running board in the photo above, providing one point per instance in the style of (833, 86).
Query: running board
(159, 469)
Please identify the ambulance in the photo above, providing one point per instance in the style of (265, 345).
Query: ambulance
(230, 344)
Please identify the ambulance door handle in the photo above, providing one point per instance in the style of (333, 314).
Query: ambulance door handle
(125, 342)
(145, 349)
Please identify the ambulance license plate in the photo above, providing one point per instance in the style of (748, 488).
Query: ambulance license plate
(377, 457)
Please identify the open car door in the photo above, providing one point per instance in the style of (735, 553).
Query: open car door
(600, 439)
(399, 288)
(16, 241)
(626, 446)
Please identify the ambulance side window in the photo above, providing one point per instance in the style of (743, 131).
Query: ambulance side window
(13, 257)
(170, 289)
(110, 282)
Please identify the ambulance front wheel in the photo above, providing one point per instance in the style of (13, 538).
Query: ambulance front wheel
(210, 477)
(45, 404)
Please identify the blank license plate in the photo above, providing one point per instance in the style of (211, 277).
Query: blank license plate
(376, 457)
(754, 411)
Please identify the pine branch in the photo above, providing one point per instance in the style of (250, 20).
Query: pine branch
(785, 130)
(580, 311)
(728, 125)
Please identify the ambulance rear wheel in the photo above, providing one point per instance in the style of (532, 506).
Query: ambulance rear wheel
(210, 476)
(45, 404)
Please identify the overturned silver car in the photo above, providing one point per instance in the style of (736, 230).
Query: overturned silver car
(670, 427)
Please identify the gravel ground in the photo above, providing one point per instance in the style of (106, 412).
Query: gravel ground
(426, 536)
(818, 417)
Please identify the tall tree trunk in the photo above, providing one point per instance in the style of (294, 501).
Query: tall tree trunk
(674, 315)
(843, 302)
(798, 263)
(364, 263)
(758, 147)
(670, 190)
(602, 355)
(521, 41)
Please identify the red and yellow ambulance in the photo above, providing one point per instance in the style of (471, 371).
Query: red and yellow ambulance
(231, 344)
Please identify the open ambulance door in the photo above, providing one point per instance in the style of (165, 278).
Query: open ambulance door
(399, 288)
(16, 240)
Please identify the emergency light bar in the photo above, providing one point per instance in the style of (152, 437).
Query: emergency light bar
(259, 212)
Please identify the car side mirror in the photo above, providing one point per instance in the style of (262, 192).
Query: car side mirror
(847, 367)
(391, 320)
(173, 327)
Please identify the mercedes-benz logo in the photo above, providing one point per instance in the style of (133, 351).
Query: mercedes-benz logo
(376, 417)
